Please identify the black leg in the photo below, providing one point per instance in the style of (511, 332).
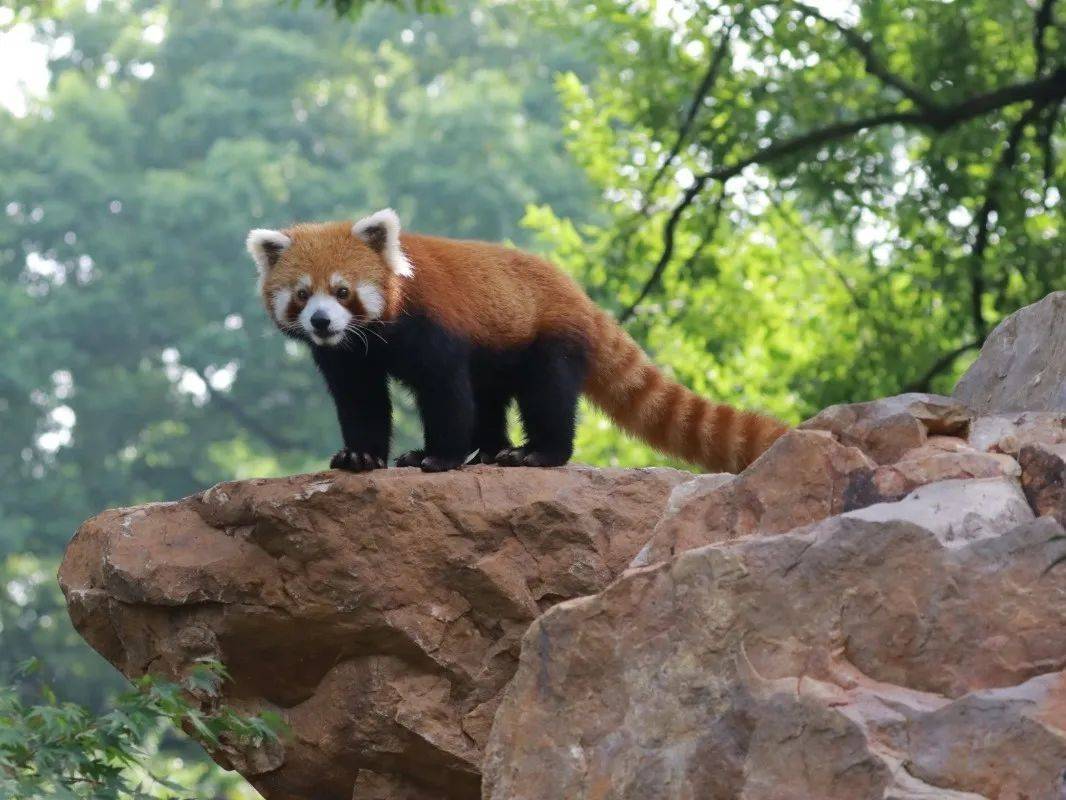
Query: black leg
(549, 385)
(361, 394)
(447, 409)
(436, 364)
(490, 427)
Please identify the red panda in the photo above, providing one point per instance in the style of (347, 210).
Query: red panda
(470, 327)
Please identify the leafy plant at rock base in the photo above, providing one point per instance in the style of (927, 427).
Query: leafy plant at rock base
(55, 749)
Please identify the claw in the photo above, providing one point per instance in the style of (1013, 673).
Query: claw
(437, 464)
(527, 457)
(412, 458)
(355, 462)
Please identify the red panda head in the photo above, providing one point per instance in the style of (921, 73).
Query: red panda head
(321, 280)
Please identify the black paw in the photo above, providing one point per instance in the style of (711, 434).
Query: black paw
(487, 454)
(439, 464)
(412, 458)
(528, 457)
(352, 461)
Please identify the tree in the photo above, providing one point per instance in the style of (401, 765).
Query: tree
(138, 364)
(806, 207)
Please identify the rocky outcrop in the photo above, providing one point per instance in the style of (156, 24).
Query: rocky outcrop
(843, 620)
(380, 615)
(851, 660)
(876, 608)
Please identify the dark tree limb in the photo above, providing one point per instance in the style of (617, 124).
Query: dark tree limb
(982, 222)
(938, 366)
(874, 65)
(1042, 91)
(668, 247)
(249, 422)
(1047, 146)
(710, 77)
(1045, 16)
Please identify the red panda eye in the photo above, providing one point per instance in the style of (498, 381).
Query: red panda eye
(302, 294)
(342, 293)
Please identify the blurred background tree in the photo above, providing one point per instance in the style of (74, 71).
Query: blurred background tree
(789, 204)
(137, 363)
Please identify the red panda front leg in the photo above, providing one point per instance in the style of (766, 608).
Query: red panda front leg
(361, 394)
(446, 403)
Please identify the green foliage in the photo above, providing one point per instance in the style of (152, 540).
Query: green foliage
(60, 750)
(34, 624)
(355, 7)
(138, 364)
(847, 267)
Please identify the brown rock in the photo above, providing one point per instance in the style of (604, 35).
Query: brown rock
(801, 479)
(853, 660)
(886, 429)
(941, 458)
(1022, 366)
(1044, 479)
(379, 614)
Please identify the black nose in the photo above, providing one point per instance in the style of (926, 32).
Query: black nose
(320, 322)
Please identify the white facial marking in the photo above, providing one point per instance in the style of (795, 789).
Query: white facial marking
(282, 298)
(371, 298)
(339, 317)
(391, 251)
(304, 282)
(336, 281)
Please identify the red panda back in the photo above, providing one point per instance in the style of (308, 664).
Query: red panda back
(494, 295)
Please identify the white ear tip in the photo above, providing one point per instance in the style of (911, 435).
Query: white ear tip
(388, 220)
(264, 245)
(386, 216)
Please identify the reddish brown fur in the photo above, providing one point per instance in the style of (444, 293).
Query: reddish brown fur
(502, 298)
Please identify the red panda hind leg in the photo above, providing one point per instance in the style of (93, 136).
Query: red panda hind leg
(548, 384)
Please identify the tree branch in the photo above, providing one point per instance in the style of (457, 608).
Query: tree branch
(710, 77)
(982, 229)
(1045, 16)
(668, 242)
(1042, 91)
(938, 366)
(246, 420)
(874, 65)
(1047, 146)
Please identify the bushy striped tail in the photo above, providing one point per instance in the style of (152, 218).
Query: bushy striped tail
(644, 402)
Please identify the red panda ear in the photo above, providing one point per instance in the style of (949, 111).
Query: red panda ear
(381, 232)
(266, 247)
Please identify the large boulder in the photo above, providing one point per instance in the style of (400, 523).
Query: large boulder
(874, 609)
(855, 660)
(1022, 366)
(380, 615)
